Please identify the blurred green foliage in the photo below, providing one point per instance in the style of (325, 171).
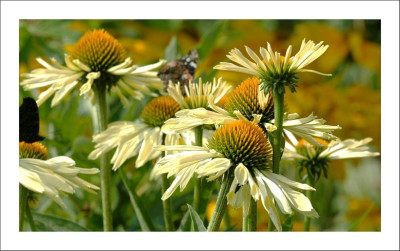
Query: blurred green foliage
(351, 98)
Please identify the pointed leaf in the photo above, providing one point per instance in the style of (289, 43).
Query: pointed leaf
(196, 221)
(210, 38)
(185, 222)
(172, 51)
(357, 222)
(288, 223)
(45, 222)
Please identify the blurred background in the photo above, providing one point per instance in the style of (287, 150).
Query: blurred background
(348, 200)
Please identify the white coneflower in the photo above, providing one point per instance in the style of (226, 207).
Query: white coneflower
(50, 176)
(98, 59)
(315, 159)
(196, 94)
(240, 148)
(274, 70)
(138, 137)
(248, 102)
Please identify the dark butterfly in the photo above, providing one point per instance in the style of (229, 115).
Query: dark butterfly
(29, 121)
(180, 70)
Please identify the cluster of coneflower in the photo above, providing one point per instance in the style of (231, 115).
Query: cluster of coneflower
(206, 131)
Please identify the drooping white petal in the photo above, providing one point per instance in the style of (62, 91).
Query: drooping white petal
(85, 88)
(278, 195)
(268, 203)
(349, 148)
(53, 176)
(241, 174)
(180, 148)
(151, 139)
(171, 189)
(214, 166)
(309, 127)
(299, 202)
(127, 137)
(286, 181)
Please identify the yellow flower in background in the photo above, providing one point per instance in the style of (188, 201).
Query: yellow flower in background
(367, 54)
(250, 32)
(97, 60)
(367, 211)
(357, 108)
(274, 70)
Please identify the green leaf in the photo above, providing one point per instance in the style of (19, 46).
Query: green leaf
(209, 39)
(357, 222)
(172, 51)
(45, 222)
(185, 223)
(288, 223)
(196, 221)
(54, 29)
(144, 219)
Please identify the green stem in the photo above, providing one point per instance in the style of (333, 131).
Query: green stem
(307, 220)
(30, 218)
(23, 203)
(167, 204)
(277, 143)
(221, 203)
(144, 220)
(105, 167)
(198, 133)
(227, 220)
(270, 225)
(250, 220)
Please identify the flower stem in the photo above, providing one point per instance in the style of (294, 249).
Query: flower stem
(198, 133)
(105, 167)
(270, 225)
(227, 220)
(307, 220)
(250, 220)
(221, 203)
(167, 204)
(23, 203)
(144, 220)
(277, 143)
(30, 218)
